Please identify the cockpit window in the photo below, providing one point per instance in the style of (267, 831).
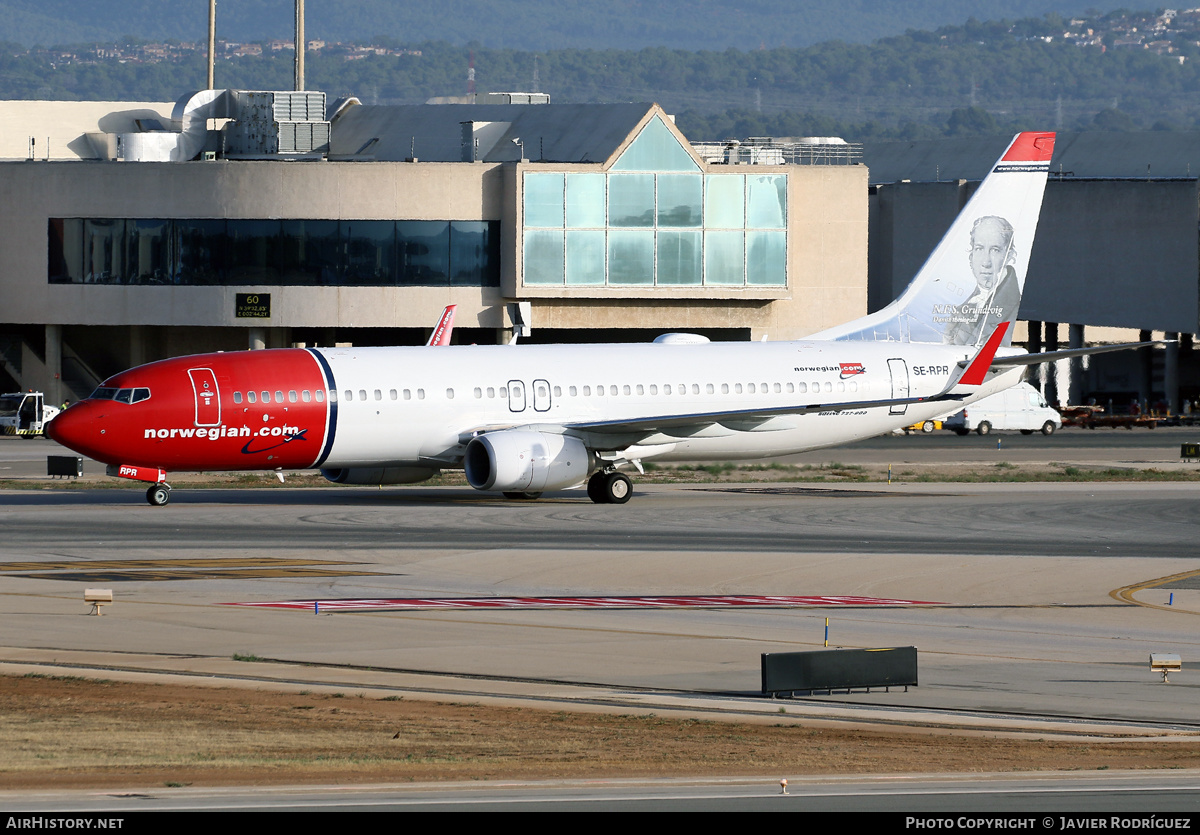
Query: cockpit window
(129, 395)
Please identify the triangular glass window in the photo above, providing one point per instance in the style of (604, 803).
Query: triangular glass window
(655, 149)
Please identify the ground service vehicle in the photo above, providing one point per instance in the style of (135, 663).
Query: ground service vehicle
(1020, 407)
(25, 413)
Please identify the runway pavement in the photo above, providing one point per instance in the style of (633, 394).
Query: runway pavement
(1028, 627)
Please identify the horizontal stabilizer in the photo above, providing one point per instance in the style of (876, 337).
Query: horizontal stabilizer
(1052, 356)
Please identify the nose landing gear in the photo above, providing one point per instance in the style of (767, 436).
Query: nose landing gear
(158, 494)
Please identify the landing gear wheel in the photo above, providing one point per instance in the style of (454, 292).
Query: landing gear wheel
(158, 495)
(617, 488)
(520, 496)
(609, 488)
(1048, 428)
(927, 427)
(984, 428)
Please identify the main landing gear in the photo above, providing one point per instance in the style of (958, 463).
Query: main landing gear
(609, 488)
(158, 494)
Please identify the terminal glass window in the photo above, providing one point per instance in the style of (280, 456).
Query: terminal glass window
(654, 220)
(245, 252)
(423, 247)
(655, 149)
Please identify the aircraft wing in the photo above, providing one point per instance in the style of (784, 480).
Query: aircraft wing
(960, 385)
(736, 420)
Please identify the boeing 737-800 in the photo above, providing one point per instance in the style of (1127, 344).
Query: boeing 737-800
(523, 419)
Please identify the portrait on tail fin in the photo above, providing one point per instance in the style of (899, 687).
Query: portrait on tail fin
(997, 293)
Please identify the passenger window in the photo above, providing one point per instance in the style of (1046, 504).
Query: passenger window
(724, 388)
(478, 393)
(279, 397)
(306, 396)
(653, 390)
(250, 398)
(320, 395)
(853, 386)
(587, 391)
(791, 387)
(266, 396)
(829, 387)
(612, 390)
(408, 394)
(237, 397)
(362, 394)
(802, 388)
(737, 388)
(333, 395)
(776, 388)
(626, 390)
(503, 392)
(641, 390)
(292, 397)
(558, 391)
(392, 394)
(378, 394)
(449, 394)
(420, 394)
(708, 389)
(841, 386)
(348, 396)
(667, 388)
(574, 392)
(750, 388)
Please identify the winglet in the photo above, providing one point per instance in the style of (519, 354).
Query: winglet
(977, 370)
(445, 325)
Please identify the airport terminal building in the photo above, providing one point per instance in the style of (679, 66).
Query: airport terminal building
(243, 220)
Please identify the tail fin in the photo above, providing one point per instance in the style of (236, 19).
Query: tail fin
(443, 329)
(973, 280)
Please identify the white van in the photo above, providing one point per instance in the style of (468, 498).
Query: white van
(1020, 407)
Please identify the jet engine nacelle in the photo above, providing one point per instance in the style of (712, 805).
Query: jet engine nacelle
(526, 461)
(379, 475)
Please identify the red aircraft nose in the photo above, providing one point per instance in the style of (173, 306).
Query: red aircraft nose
(76, 429)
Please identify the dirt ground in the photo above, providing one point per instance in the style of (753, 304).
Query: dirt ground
(64, 732)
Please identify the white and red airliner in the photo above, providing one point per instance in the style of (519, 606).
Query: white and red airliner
(523, 419)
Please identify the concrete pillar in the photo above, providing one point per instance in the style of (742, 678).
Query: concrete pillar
(53, 389)
(1146, 369)
(1034, 345)
(1171, 372)
(258, 338)
(137, 345)
(1051, 394)
(1075, 379)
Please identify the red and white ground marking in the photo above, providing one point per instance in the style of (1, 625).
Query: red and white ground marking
(723, 601)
